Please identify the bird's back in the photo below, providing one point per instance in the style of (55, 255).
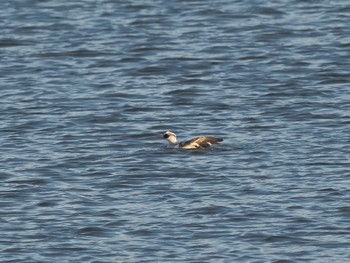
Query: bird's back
(200, 142)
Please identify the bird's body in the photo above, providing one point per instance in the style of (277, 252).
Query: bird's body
(201, 142)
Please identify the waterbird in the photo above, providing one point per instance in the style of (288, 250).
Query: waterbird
(200, 142)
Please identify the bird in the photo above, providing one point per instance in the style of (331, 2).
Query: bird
(200, 142)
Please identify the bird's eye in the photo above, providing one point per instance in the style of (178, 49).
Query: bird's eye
(165, 136)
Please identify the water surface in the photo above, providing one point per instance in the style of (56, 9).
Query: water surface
(87, 88)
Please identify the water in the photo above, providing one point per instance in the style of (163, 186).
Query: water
(87, 88)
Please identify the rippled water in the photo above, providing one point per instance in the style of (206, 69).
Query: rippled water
(87, 88)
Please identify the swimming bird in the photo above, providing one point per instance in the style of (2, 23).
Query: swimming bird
(201, 142)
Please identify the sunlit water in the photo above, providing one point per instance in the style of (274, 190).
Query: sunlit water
(88, 87)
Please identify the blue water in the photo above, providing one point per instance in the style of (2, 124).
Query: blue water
(88, 87)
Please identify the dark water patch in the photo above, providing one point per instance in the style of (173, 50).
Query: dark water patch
(151, 70)
(184, 92)
(11, 42)
(285, 239)
(79, 53)
(92, 231)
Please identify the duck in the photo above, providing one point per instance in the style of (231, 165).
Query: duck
(201, 142)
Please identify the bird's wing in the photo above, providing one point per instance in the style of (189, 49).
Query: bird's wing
(200, 142)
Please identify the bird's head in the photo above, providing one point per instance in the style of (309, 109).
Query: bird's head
(170, 137)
